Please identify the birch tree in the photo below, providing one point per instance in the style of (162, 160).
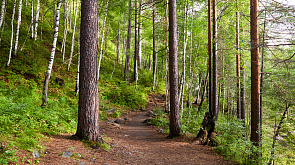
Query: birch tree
(73, 35)
(49, 68)
(19, 19)
(2, 12)
(102, 37)
(11, 39)
(37, 18)
(32, 18)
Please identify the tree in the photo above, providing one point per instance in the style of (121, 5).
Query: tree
(126, 75)
(88, 110)
(11, 39)
(238, 63)
(19, 19)
(214, 63)
(173, 72)
(210, 58)
(49, 68)
(255, 95)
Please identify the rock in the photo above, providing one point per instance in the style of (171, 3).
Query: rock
(111, 111)
(142, 109)
(120, 121)
(67, 154)
(117, 125)
(148, 120)
(36, 154)
(150, 113)
(81, 163)
(79, 155)
(160, 130)
(110, 121)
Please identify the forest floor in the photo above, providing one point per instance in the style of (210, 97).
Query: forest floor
(134, 142)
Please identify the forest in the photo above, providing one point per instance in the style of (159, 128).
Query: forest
(223, 71)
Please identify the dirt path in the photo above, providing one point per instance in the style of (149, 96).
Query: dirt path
(132, 143)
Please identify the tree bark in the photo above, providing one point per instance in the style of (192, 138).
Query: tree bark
(210, 59)
(49, 69)
(19, 19)
(2, 12)
(73, 35)
(136, 42)
(173, 72)
(255, 95)
(11, 39)
(88, 110)
(214, 60)
(102, 38)
(127, 63)
(37, 18)
(238, 63)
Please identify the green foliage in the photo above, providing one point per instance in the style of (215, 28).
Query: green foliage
(161, 120)
(127, 95)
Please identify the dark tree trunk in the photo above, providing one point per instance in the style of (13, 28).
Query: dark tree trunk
(255, 95)
(88, 113)
(173, 72)
(210, 58)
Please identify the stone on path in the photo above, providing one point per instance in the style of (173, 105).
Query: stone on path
(67, 154)
(36, 154)
(111, 111)
(120, 121)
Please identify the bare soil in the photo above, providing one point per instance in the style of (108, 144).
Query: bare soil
(132, 143)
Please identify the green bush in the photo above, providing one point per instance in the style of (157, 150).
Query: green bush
(127, 95)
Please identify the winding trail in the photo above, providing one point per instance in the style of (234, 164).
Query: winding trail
(133, 143)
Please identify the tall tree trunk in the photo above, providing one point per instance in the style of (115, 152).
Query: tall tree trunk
(42, 20)
(49, 69)
(135, 42)
(272, 154)
(238, 63)
(210, 59)
(78, 75)
(11, 39)
(73, 35)
(2, 12)
(139, 35)
(127, 63)
(154, 49)
(19, 19)
(88, 110)
(214, 60)
(118, 43)
(37, 18)
(173, 72)
(255, 95)
(32, 18)
(66, 20)
(102, 37)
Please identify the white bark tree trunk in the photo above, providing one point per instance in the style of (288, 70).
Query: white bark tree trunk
(2, 12)
(37, 18)
(19, 19)
(11, 40)
(32, 18)
(66, 22)
(47, 77)
(102, 37)
(73, 37)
